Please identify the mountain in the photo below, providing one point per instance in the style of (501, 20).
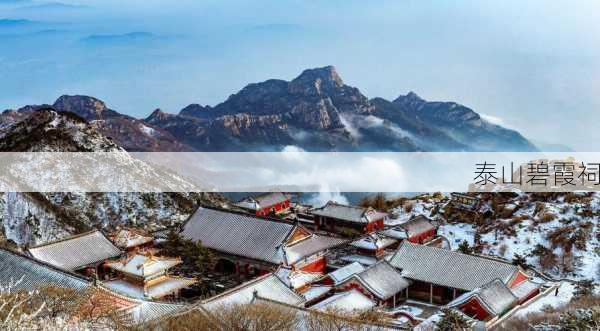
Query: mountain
(317, 111)
(28, 218)
(461, 124)
(130, 133)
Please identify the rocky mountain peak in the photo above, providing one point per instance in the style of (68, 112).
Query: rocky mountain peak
(87, 107)
(316, 81)
(158, 115)
(411, 100)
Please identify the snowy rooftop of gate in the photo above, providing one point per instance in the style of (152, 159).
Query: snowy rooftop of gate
(347, 213)
(373, 241)
(77, 251)
(268, 286)
(348, 301)
(448, 268)
(143, 266)
(297, 279)
(166, 286)
(25, 273)
(261, 201)
(495, 296)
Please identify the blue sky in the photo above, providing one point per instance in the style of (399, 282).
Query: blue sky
(535, 66)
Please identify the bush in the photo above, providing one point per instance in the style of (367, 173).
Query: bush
(451, 321)
(584, 288)
(546, 217)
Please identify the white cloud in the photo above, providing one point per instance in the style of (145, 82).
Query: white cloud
(493, 119)
(321, 198)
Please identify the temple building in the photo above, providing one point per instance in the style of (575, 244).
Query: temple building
(374, 244)
(380, 282)
(418, 230)
(271, 203)
(484, 303)
(348, 220)
(252, 246)
(440, 276)
(146, 276)
(83, 253)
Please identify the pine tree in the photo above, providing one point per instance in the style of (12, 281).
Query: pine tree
(465, 248)
(519, 260)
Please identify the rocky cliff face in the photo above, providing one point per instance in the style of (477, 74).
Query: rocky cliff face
(34, 218)
(318, 111)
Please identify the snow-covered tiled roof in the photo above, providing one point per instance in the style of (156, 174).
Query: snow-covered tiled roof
(143, 266)
(268, 286)
(316, 291)
(382, 280)
(77, 251)
(164, 287)
(147, 311)
(448, 268)
(347, 213)
(253, 237)
(134, 311)
(417, 225)
(373, 241)
(396, 233)
(297, 278)
(238, 234)
(362, 259)
(525, 288)
(340, 275)
(28, 274)
(348, 301)
(309, 246)
(495, 296)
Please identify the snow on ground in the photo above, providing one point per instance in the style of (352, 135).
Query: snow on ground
(565, 293)
(147, 130)
(456, 233)
(531, 231)
(420, 207)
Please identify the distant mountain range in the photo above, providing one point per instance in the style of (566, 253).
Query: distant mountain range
(315, 111)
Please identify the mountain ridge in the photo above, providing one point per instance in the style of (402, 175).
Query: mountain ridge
(315, 111)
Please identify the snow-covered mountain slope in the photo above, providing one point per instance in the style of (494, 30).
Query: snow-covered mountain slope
(34, 218)
(556, 233)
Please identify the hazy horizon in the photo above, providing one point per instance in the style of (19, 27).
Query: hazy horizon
(529, 66)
